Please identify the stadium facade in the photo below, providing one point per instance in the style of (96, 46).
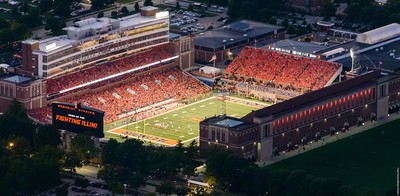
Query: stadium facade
(94, 40)
(373, 95)
(88, 43)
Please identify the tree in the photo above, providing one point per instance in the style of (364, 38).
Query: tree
(54, 24)
(285, 22)
(6, 37)
(130, 154)
(24, 8)
(62, 8)
(182, 191)
(97, 4)
(124, 10)
(234, 8)
(248, 9)
(45, 5)
(47, 135)
(108, 151)
(272, 21)
(137, 181)
(114, 14)
(15, 122)
(166, 188)
(116, 188)
(61, 191)
(4, 24)
(328, 10)
(84, 146)
(178, 6)
(21, 31)
(291, 30)
(21, 146)
(81, 182)
(71, 160)
(108, 2)
(100, 15)
(148, 3)
(192, 150)
(137, 8)
(190, 7)
(46, 167)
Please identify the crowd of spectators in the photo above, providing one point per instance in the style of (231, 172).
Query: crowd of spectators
(141, 91)
(282, 69)
(42, 115)
(269, 89)
(106, 69)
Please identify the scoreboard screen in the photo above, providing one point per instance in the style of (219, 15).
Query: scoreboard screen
(77, 119)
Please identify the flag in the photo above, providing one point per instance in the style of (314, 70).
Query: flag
(213, 58)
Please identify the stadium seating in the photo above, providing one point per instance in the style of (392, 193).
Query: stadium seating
(144, 90)
(103, 70)
(282, 69)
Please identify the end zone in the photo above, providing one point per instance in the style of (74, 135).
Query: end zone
(145, 137)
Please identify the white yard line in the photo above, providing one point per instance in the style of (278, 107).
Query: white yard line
(120, 127)
(189, 140)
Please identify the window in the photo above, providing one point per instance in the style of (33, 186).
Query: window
(383, 90)
(213, 134)
(223, 137)
(267, 130)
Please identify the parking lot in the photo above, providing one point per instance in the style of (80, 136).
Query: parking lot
(193, 22)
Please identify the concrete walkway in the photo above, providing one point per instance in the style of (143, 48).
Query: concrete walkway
(328, 139)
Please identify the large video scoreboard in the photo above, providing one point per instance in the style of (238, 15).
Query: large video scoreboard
(78, 119)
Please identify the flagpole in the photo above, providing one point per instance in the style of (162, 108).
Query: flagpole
(214, 63)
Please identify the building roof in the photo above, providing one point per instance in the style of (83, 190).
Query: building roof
(234, 124)
(54, 43)
(234, 33)
(292, 45)
(174, 36)
(314, 97)
(90, 23)
(380, 34)
(16, 79)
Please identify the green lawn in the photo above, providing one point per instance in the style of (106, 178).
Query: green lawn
(183, 123)
(366, 160)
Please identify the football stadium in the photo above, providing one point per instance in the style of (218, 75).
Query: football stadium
(141, 78)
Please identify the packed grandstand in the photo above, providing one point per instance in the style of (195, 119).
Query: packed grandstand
(281, 70)
(141, 93)
(149, 90)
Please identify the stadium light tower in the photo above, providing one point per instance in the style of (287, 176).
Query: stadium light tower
(355, 59)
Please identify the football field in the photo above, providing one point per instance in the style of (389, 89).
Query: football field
(178, 124)
(367, 161)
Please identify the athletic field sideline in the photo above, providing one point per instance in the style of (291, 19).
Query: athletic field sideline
(179, 124)
(367, 160)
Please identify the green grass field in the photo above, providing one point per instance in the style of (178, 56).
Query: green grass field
(368, 160)
(183, 123)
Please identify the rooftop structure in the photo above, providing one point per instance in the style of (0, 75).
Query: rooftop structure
(221, 41)
(94, 40)
(380, 34)
(16, 79)
(235, 32)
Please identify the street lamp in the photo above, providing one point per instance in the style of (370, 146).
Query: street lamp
(11, 144)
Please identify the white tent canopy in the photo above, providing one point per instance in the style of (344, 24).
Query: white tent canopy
(4, 66)
(380, 34)
(333, 52)
(210, 70)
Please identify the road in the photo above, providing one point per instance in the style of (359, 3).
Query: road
(90, 172)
